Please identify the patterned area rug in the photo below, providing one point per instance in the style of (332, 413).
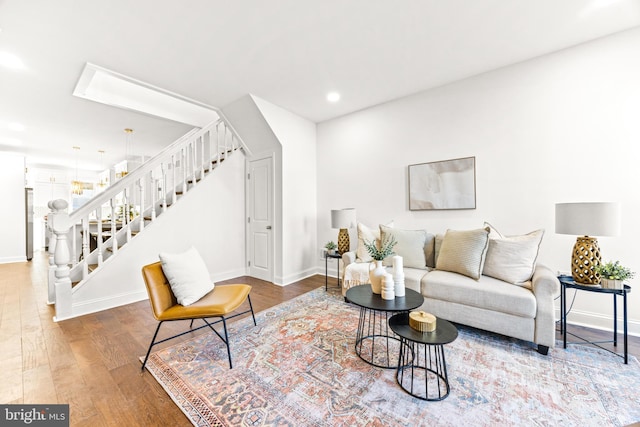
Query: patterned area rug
(298, 367)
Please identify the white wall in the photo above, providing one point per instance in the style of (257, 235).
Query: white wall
(298, 139)
(12, 215)
(210, 217)
(559, 128)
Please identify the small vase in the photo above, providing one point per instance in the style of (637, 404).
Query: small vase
(376, 276)
(387, 287)
(611, 283)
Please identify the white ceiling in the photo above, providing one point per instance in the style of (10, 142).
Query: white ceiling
(288, 52)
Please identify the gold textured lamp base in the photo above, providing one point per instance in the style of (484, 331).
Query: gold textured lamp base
(343, 241)
(584, 259)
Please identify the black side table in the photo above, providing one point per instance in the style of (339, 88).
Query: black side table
(374, 341)
(422, 358)
(568, 282)
(327, 255)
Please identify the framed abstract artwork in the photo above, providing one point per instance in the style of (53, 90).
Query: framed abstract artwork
(447, 184)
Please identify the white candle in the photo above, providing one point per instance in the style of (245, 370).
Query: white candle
(397, 263)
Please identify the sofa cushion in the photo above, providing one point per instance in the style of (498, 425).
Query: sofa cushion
(464, 251)
(512, 258)
(410, 245)
(492, 294)
(412, 277)
(366, 234)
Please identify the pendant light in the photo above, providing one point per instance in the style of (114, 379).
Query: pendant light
(103, 182)
(127, 154)
(76, 186)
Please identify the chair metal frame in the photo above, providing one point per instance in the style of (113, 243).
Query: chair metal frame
(223, 319)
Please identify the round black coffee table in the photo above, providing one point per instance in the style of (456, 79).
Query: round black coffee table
(421, 360)
(374, 342)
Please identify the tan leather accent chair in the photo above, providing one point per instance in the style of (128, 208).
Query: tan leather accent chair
(220, 302)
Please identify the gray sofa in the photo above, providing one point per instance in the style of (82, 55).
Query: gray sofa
(507, 304)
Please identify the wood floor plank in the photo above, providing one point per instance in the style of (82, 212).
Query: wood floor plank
(38, 385)
(11, 389)
(34, 351)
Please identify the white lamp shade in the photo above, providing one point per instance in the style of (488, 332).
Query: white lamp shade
(588, 219)
(343, 218)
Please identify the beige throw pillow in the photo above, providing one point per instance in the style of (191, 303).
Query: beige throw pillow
(464, 252)
(366, 234)
(512, 258)
(410, 245)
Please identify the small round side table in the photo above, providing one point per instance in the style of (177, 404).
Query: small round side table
(375, 344)
(422, 368)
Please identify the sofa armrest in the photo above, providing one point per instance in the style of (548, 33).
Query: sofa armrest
(348, 258)
(545, 283)
(546, 288)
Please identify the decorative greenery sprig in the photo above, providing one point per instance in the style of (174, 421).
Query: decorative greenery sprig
(385, 250)
(330, 245)
(614, 271)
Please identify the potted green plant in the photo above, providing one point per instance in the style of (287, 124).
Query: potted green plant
(331, 247)
(376, 275)
(385, 249)
(613, 274)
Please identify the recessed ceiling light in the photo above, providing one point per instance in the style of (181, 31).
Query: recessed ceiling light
(11, 61)
(333, 97)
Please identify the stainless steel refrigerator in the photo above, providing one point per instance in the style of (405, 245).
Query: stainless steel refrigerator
(28, 203)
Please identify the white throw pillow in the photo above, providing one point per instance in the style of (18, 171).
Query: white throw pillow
(464, 252)
(410, 245)
(366, 234)
(512, 258)
(187, 274)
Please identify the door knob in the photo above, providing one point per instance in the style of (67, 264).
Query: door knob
(268, 227)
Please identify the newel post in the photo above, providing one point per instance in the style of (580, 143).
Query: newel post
(59, 223)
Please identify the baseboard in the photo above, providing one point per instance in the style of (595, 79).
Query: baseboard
(100, 304)
(11, 259)
(292, 278)
(219, 277)
(600, 321)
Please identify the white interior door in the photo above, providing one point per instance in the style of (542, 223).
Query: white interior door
(260, 218)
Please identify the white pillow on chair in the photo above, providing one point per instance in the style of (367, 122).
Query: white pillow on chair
(187, 274)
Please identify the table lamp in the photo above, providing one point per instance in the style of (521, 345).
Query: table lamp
(586, 220)
(343, 219)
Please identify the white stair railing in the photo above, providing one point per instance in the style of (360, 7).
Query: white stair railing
(86, 239)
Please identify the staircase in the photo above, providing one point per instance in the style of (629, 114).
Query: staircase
(88, 239)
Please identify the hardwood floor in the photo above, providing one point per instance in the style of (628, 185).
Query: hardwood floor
(92, 362)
